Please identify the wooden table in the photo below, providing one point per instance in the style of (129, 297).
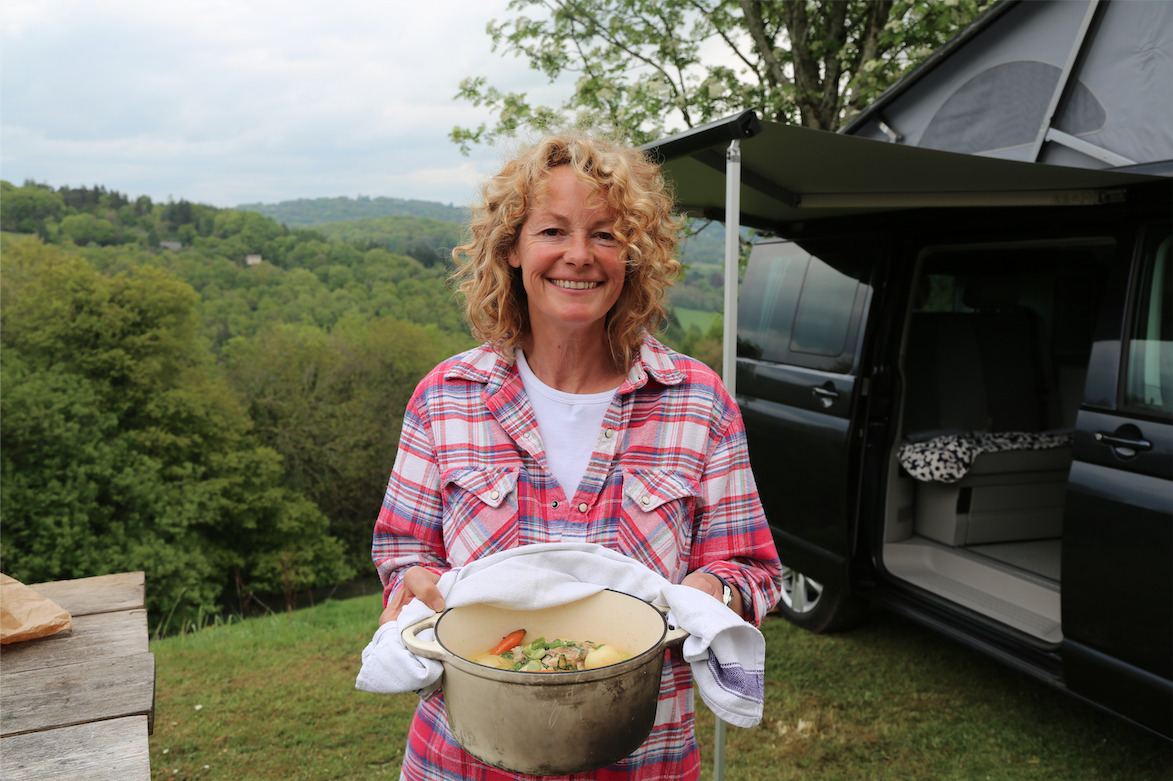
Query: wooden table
(81, 704)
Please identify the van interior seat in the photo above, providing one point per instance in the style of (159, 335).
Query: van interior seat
(978, 372)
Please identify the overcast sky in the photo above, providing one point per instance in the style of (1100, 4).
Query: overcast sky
(249, 101)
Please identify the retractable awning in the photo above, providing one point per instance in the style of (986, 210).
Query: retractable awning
(791, 173)
(743, 171)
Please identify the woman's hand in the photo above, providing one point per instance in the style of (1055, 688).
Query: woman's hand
(418, 583)
(711, 585)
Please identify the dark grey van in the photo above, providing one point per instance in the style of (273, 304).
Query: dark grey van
(956, 376)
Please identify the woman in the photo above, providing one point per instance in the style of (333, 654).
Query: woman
(571, 423)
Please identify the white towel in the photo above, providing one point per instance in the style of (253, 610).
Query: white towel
(726, 654)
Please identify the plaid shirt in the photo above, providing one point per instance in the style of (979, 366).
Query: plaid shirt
(668, 484)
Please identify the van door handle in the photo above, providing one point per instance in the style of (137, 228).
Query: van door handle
(1112, 440)
(826, 394)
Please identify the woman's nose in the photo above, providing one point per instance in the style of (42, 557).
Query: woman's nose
(579, 249)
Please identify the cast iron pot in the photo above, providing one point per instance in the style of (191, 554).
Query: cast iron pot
(550, 723)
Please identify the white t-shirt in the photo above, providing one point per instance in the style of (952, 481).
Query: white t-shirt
(569, 424)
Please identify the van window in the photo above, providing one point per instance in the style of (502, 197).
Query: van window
(1149, 386)
(798, 310)
(822, 321)
(768, 299)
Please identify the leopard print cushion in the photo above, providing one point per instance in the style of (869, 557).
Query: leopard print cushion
(947, 458)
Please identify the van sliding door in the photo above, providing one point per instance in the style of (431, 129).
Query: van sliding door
(799, 317)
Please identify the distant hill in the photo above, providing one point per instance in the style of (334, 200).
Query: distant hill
(427, 240)
(309, 212)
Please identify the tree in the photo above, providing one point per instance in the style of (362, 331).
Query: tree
(124, 448)
(647, 67)
(331, 403)
(26, 208)
(86, 228)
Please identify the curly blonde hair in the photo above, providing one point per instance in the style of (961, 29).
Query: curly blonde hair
(495, 300)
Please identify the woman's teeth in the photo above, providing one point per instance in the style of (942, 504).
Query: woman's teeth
(570, 285)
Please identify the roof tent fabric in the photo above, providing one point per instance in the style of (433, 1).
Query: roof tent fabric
(791, 174)
(1081, 83)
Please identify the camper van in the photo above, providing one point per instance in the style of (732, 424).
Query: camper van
(954, 344)
(956, 376)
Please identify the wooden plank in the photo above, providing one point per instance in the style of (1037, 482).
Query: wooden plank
(95, 636)
(78, 693)
(113, 750)
(100, 594)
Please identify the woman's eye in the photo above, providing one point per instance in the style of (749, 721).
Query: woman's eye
(549, 232)
(604, 236)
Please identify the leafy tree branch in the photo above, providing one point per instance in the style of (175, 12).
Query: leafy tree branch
(649, 67)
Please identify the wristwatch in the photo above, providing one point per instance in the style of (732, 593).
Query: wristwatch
(726, 593)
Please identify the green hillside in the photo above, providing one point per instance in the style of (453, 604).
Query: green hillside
(308, 212)
(427, 240)
(203, 394)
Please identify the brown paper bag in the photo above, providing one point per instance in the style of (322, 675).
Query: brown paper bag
(26, 614)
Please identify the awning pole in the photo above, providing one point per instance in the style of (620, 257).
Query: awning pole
(729, 342)
(732, 254)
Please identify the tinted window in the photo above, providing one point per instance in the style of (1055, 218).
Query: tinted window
(797, 309)
(1149, 371)
(768, 298)
(823, 319)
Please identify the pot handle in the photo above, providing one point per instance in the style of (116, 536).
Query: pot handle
(430, 649)
(675, 635)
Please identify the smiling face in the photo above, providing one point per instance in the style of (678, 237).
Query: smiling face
(571, 263)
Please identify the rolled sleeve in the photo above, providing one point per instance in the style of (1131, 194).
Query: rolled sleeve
(733, 540)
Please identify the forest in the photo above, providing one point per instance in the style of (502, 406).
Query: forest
(212, 396)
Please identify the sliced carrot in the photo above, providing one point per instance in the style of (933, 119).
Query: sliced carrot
(509, 641)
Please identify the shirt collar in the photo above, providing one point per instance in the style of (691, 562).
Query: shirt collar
(483, 365)
(489, 367)
(654, 360)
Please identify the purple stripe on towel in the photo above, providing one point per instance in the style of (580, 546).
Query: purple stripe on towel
(735, 679)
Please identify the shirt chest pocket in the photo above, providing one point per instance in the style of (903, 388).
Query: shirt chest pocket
(658, 506)
(480, 511)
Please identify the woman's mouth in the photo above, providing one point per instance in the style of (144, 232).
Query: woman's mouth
(568, 284)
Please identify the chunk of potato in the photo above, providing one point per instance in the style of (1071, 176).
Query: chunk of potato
(603, 656)
(493, 660)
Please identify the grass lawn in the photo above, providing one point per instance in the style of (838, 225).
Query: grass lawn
(274, 698)
(696, 317)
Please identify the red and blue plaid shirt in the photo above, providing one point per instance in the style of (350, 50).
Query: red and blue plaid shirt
(668, 484)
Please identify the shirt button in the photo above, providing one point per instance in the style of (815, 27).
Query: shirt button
(607, 433)
(646, 500)
(495, 495)
(582, 508)
(554, 504)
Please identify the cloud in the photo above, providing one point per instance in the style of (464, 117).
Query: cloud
(230, 102)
